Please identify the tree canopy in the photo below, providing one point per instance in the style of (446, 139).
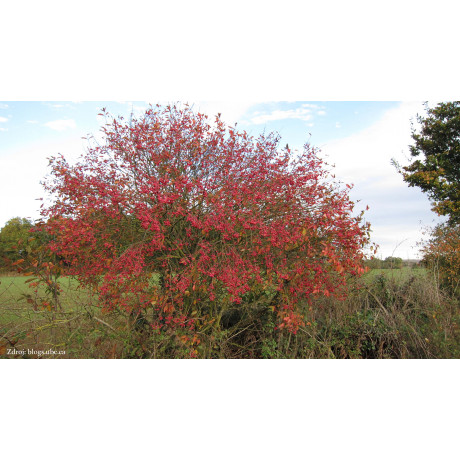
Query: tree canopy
(15, 230)
(436, 153)
(193, 219)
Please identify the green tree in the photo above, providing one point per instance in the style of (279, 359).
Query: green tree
(393, 262)
(15, 230)
(436, 153)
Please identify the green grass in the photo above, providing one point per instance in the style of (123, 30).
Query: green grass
(401, 274)
(74, 328)
(16, 285)
(14, 288)
(14, 292)
(393, 314)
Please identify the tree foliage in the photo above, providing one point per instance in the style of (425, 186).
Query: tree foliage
(190, 221)
(436, 153)
(15, 231)
(393, 262)
(442, 254)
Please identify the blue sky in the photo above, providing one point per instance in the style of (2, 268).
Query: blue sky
(359, 138)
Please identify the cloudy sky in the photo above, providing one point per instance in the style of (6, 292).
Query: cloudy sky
(359, 138)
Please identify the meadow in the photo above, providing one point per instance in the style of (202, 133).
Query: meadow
(390, 313)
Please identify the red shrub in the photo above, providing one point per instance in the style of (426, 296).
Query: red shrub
(224, 220)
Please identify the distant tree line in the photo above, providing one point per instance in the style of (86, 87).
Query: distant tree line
(391, 263)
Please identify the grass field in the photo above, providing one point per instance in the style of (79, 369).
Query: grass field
(13, 287)
(398, 273)
(394, 314)
(40, 328)
(14, 292)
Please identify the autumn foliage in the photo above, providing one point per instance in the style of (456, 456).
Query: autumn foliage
(442, 254)
(188, 220)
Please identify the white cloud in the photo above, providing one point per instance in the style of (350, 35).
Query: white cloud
(397, 241)
(3, 106)
(3, 120)
(337, 124)
(368, 153)
(397, 212)
(32, 121)
(35, 155)
(312, 106)
(61, 125)
(3, 129)
(231, 111)
(305, 112)
(302, 113)
(138, 110)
